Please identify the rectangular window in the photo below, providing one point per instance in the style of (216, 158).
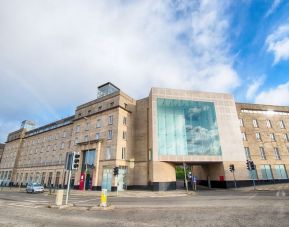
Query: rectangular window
(109, 135)
(266, 172)
(258, 136)
(86, 138)
(124, 121)
(62, 146)
(244, 137)
(255, 123)
(268, 124)
(108, 153)
(87, 126)
(97, 136)
(99, 108)
(183, 126)
(110, 119)
(241, 122)
(280, 172)
(64, 134)
(77, 129)
(123, 153)
(262, 153)
(285, 136)
(98, 123)
(124, 135)
(125, 106)
(282, 124)
(272, 137)
(76, 141)
(248, 154)
(276, 153)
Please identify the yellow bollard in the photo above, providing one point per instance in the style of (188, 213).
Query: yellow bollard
(103, 198)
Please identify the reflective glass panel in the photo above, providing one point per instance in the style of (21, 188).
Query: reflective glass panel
(187, 128)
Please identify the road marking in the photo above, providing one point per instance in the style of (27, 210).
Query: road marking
(21, 205)
(83, 201)
(36, 201)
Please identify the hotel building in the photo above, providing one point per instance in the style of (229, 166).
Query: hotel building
(148, 138)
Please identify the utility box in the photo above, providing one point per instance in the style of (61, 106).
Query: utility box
(59, 198)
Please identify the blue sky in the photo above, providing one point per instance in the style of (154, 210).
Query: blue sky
(54, 54)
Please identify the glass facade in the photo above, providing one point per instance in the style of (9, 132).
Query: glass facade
(187, 128)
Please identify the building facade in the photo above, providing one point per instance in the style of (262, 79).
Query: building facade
(147, 139)
(1, 150)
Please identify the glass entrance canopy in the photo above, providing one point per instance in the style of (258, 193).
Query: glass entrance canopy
(187, 128)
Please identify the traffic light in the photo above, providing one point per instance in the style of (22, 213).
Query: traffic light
(252, 165)
(115, 171)
(75, 160)
(232, 168)
(248, 165)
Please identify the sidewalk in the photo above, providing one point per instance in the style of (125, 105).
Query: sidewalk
(268, 187)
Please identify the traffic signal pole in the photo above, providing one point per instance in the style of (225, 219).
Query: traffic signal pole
(68, 187)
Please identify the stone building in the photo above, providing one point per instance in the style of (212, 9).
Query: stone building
(147, 139)
(265, 131)
(1, 150)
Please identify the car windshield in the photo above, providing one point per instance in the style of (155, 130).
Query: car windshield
(37, 184)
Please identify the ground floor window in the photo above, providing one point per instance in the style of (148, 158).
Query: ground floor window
(43, 177)
(280, 172)
(57, 179)
(266, 172)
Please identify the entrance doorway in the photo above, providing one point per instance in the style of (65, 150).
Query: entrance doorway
(87, 169)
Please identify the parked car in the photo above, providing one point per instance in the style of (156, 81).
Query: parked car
(34, 187)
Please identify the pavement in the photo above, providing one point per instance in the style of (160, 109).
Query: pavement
(173, 193)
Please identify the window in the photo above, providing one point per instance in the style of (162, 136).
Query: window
(272, 137)
(111, 104)
(123, 153)
(110, 119)
(77, 129)
(268, 124)
(109, 136)
(248, 154)
(87, 126)
(244, 137)
(282, 124)
(124, 121)
(98, 123)
(262, 153)
(266, 172)
(276, 153)
(255, 123)
(108, 153)
(125, 106)
(285, 136)
(86, 138)
(62, 146)
(64, 134)
(99, 108)
(75, 141)
(258, 136)
(124, 135)
(280, 172)
(97, 136)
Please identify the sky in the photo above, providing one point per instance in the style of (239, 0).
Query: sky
(54, 54)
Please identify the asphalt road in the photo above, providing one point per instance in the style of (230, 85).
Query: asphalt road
(206, 208)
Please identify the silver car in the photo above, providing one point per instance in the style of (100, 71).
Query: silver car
(34, 187)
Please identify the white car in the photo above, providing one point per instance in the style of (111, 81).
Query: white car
(34, 187)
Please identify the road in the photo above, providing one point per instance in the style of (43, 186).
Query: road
(205, 208)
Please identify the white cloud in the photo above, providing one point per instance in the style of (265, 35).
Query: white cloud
(275, 96)
(278, 43)
(54, 54)
(254, 86)
(273, 7)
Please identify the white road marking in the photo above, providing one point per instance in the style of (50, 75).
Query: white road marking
(21, 205)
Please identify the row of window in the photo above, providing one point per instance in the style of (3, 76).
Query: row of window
(271, 135)
(268, 123)
(45, 139)
(99, 123)
(266, 172)
(98, 137)
(262, 154)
